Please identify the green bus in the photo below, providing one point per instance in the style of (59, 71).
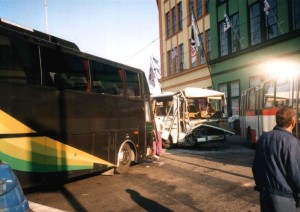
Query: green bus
(67, 113)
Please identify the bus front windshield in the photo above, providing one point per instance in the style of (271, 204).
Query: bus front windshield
(204, 107)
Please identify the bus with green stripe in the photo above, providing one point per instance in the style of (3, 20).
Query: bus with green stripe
(67, 113)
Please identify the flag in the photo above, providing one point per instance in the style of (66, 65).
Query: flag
(151, 76)
(195, 43)
(155, 60)
(267, 7)
(174, 52)
(194, 34)
(227, 24)
(155, 66)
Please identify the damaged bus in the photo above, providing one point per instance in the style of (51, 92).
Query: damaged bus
(192, 116)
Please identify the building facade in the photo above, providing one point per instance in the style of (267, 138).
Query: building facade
(239, 50)
(262, 33)
(179, 70)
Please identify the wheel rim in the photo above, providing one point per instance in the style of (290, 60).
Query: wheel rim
(124, 156)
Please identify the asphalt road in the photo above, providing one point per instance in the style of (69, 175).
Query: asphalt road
(212, 178)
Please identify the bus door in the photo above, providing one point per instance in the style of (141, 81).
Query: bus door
(258, 109)
(296, 103)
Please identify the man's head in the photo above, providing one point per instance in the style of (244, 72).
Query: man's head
(285, 118)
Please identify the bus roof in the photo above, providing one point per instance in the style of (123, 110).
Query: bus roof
(44, 38)
(31, 32)
(165, 94)
(200, 92)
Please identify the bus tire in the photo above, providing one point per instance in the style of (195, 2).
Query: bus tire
(249, 138)
(124, 159)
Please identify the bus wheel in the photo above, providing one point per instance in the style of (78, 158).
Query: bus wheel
(249, 138)
(124, 159)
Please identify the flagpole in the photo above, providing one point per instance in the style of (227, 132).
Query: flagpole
(266, 9)
(277, 22)
(46, 16)
(234, 32)
(204, 51)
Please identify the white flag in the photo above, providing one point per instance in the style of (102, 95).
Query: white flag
(194, 35)
(174, 52)
(195, 43)
(267, 7)
(155, 66)
(226, 23)
(151, 76)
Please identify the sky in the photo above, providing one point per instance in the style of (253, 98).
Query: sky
(125, 31)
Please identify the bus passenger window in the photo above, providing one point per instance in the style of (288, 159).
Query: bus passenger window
(98, 86)
(283, 92)
(251, 99)
(269, 94)
(60, 81)
(18, 61)
(132, 81)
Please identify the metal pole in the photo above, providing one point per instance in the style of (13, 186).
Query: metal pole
(46, 16)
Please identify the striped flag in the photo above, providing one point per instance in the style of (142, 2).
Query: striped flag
(267, 7)
(174, 52)
(227, 24)
(195, 43)
(151, 76)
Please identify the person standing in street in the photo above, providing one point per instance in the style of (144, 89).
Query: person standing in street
(276, 165)
(157, 145)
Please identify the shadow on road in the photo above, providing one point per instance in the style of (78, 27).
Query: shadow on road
(145, 203)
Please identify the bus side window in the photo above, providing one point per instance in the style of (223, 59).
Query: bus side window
(19, 61)
(283, 92)
(132, 81)
(60, 81)
(98, 86)
(269, 94)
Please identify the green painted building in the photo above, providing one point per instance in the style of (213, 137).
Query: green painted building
(260, 39)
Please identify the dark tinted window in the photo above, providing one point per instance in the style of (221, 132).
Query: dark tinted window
(19, 61)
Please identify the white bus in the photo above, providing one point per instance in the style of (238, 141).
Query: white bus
(259, 105)
(192, 116)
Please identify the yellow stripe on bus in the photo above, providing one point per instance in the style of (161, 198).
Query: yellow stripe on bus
(9, 124)
(22, 148)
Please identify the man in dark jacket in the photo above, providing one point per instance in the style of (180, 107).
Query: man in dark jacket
(276, 166)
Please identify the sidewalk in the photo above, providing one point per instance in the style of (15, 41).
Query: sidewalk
(34, 207)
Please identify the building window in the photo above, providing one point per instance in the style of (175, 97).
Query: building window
(168, 24)
(199, 8)
(201, 50)
(255, 29)
(175, 62)
(198, 4)
(208, 41)
(170, 63)
(271, 20)
(180, 15)
(235, 33)
(234, 97)
(296, 14)
(223, 39)
(206, 6)
(191, 8)
(174, 22)
(235, 89)
(181, 61)
(232, 93)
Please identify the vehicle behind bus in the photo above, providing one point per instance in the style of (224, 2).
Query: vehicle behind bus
(67, 113)
(192, 116)
(260, 103)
